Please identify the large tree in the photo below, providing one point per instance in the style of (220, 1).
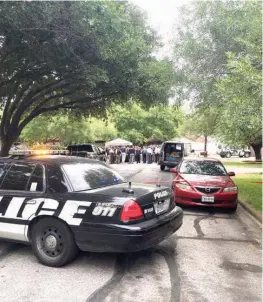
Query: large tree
(241, 119)
(68, 129)
(138, 124)
(206, 32)
(202, 122)
(241, 87)
(77, 56)
(218, 51)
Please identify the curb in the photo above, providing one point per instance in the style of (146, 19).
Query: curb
(251, 211)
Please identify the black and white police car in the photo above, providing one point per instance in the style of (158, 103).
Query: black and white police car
(60, 204)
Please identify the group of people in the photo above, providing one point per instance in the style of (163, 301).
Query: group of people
(133, 154)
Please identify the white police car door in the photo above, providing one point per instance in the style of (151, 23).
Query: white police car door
(22, 190)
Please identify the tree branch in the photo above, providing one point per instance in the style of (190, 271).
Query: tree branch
(27, 102)
(19, 95)
(76, 101)
(41, 91)
(4, 118)
(67, 105)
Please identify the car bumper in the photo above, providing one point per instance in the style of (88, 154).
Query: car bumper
(128, 238)
(222, 200)
(169, 164)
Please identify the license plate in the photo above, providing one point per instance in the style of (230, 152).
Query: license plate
(208, 198)
(161, 206)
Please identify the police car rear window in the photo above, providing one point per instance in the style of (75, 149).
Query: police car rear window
(17, 177)
(91, 176)
(2, 171)
(36, 181)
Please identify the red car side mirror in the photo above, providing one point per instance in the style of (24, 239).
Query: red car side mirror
(173, 170)
(231, 173)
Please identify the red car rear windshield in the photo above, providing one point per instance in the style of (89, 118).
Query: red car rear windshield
(203, 168)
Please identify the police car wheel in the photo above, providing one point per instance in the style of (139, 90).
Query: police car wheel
(53, 242)
(162, 167)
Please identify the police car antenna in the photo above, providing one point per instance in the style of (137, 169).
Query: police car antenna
(129, 189)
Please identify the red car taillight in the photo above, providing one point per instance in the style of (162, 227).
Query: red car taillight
(131, 211)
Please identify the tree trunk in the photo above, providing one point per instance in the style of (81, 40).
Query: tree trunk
(257, 150)
(9, 134)
(205, 147)
(5, 146)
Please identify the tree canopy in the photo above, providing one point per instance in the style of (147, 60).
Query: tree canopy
(131, 122)
(67, 129)
(77, 56)
(137, 124)
(218, 55)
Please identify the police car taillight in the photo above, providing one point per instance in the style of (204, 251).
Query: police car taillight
(131, 211)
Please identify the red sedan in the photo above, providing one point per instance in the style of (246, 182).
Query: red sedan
(204, 182)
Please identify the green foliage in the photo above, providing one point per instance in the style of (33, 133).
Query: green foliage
(137, 124)
(79, 56)
(206, 33)
(202, 121)
(241, 89)
(38, 130)
(67, 129)
(102, 130)
(132, 122)
(218, 55)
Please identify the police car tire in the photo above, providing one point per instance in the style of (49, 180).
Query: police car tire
(162, 167)
(68, 243)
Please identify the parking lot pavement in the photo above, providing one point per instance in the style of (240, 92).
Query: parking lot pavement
(23, 279)
(213, 257)
(127, 170)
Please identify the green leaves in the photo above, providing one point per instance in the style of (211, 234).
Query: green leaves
(137, 124)
(241, 89)
(78, 56)
(130, 122)
(68, 130)
(218, 54)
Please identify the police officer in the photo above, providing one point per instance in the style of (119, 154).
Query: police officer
(131, 155)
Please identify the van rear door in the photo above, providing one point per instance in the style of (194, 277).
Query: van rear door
(173, 152)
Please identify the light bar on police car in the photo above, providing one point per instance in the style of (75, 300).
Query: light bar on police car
(38, 152)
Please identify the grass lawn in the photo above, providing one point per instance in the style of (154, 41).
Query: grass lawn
(241, 164)
(248, 191)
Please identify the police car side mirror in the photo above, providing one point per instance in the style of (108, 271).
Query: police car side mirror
(173, 170)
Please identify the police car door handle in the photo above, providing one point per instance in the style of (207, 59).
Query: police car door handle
(31, 201)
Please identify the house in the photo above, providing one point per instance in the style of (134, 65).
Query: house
(198, 143)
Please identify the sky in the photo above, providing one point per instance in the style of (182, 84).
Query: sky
(162, 16)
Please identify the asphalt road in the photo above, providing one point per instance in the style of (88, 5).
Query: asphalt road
(214, 257)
